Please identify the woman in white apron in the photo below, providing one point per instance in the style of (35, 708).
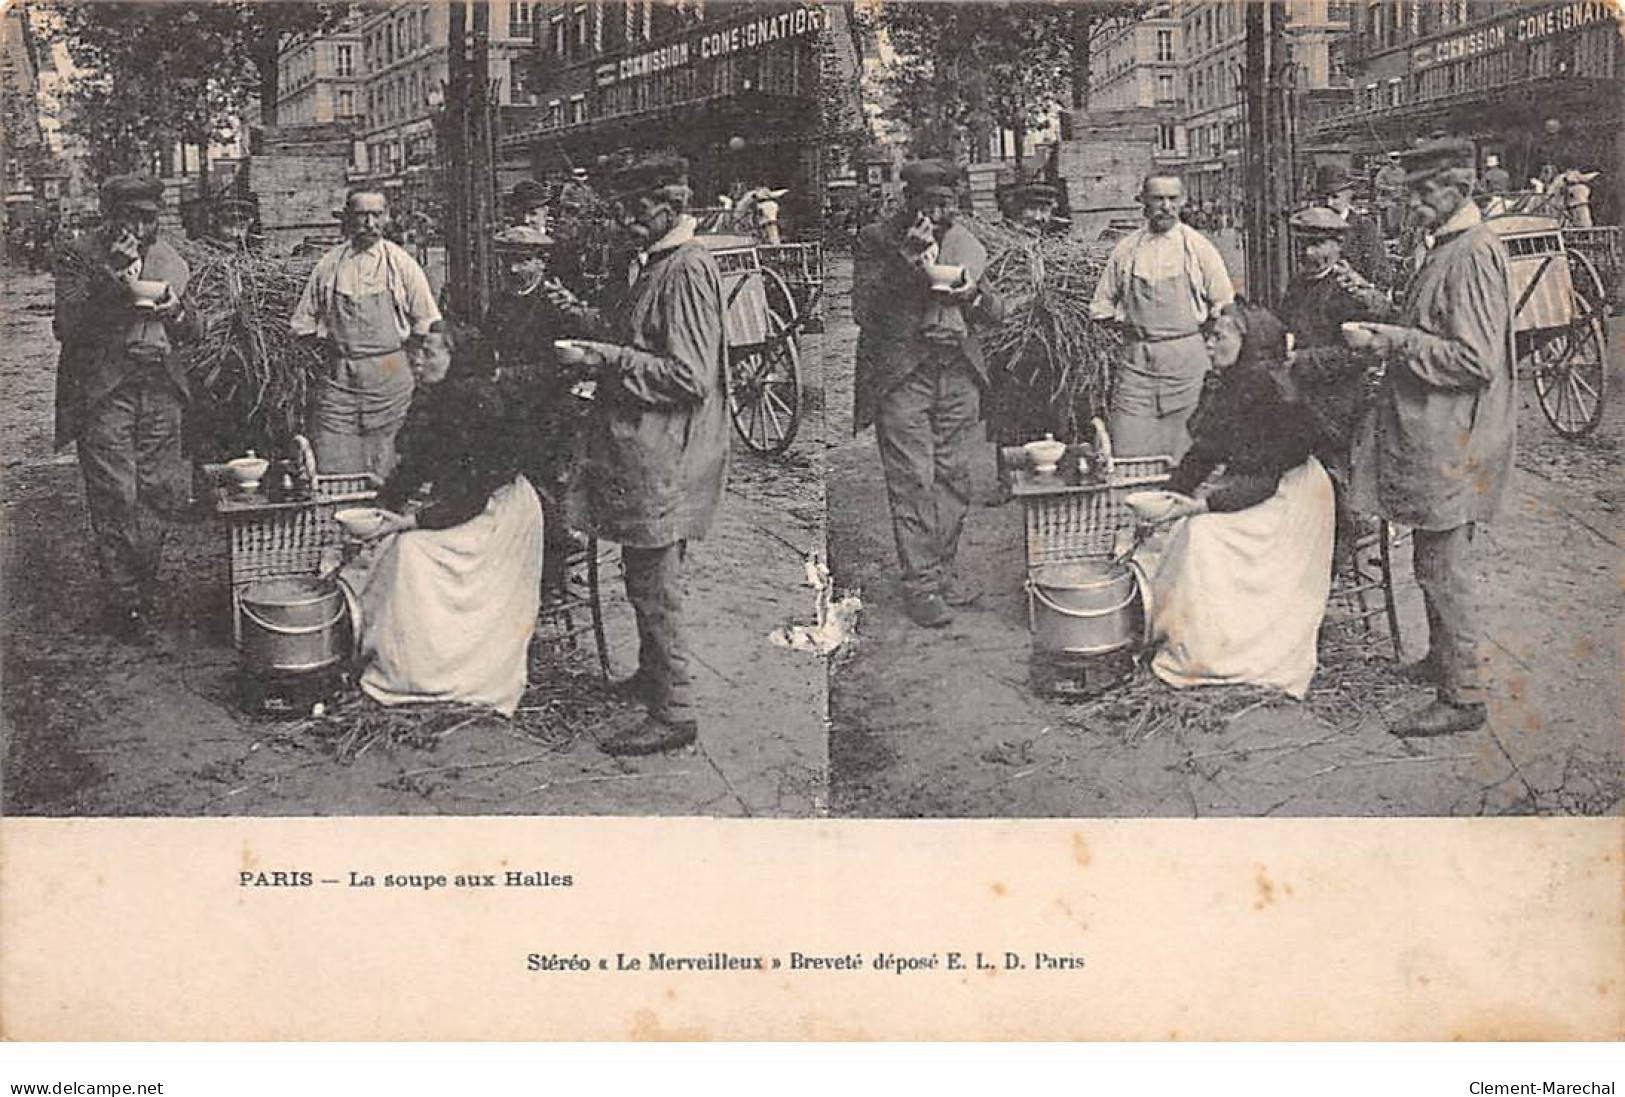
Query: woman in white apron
(445, 602)
(1239, 581)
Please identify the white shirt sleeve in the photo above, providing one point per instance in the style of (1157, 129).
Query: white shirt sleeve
(420, 307)
(1107, 303)
(305, 319)
(1215, 278)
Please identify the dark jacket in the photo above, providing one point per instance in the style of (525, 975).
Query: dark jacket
(891, 300)
(1330, 378)
(464, 439)
(1251, 422)
(658, 448)
(104, 338)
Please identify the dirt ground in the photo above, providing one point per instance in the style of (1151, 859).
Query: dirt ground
(93, 727)
(947, 723)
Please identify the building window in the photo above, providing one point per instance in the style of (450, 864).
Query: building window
(560, 35)
(519, 24)
(1165, 137)
(578, 109)
(555, 113)
(346, 102)
(1165, 86)
(1165, 45)
(1394, 94)
(583, 27)
(344, 59)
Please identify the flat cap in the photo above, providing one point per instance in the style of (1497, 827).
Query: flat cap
(521, 238)
(930, 175)
(1429, 160)
(1317, 221)
(134, 192)
(646, 171)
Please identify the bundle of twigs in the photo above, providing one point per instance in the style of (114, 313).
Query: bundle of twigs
(1047, 345)
(247, 359)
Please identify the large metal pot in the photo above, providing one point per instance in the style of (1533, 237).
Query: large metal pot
(291, 624)
(1084, 607)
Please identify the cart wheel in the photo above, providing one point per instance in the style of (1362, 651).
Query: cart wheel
(1570, 365)
(764, 389)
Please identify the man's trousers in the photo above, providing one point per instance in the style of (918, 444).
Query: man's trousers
(130, 455)
(654, 586)
(929, 431)
(1443, 563)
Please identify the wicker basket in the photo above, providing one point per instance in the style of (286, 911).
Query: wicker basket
(270, 540)
(1082, 520)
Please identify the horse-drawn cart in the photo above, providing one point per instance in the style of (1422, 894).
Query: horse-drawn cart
(761, 322)
(1559, 305)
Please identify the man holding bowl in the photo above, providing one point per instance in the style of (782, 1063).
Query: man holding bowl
(1444, 423)
(120, 389)
(657, 448)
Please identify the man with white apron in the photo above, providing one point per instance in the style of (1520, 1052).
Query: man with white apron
(1162, 284)
(370, 301)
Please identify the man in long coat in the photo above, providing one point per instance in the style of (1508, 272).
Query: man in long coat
(1444, 424)
(658, 446)
(121, 388)
(921, 375)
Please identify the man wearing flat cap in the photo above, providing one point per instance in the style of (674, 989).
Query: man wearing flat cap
(1162, 285)
(1325, 293)
(1363, 247)
(121, 316)
(1445, 415)
(921, 374)
(658, 444)
(369, 305)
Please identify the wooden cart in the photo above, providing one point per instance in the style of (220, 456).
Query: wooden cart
(1559, 304)
(761, 322)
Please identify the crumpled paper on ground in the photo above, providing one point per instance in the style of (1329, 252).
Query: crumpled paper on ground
(834, 618)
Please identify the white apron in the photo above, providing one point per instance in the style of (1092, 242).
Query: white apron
(447, 614)
(1239, 597)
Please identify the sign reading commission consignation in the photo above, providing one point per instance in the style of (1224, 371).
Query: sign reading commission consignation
(707, 45)
(1526, 26)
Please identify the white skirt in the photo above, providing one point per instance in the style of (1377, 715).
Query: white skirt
(1239, 597)
(447, 614)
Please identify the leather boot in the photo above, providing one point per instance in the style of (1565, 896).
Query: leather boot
(1424, 671)
(653, 736)
(1441, 718)
(929, 610)
(634, 687)
(958, 593)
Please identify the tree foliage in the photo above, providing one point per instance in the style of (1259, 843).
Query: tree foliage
(160, 73)
(964, 71)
